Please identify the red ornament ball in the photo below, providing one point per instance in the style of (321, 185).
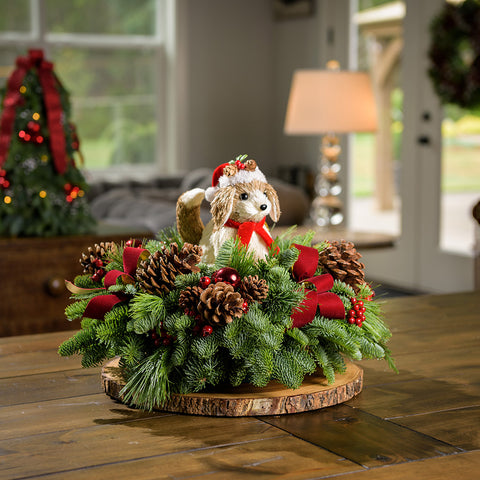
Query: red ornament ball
(207, 330)
(205, 282)
(227, 275)
(133, 243)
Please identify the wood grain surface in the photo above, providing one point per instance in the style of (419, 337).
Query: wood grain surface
(57, 422)
(247, 400)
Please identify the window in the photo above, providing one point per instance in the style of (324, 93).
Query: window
(111, 56)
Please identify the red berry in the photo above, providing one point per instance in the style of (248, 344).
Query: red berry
(157, 342)
(352, 313)
(166, 341)
(358, 321)
(363, 310)
(207, 330)
(245, 307)
(359, 324)
(353, 300)
(360, 302)
(357, 307)
(351, 320)
(154, 335)
(361, 316)
(205, 282)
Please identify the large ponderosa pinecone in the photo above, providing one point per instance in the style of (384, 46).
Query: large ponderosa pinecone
(157, 273)
(340, 259)
(219, 304)
(90, 261)
(253, 289)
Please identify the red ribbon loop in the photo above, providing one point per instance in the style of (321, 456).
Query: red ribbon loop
(98, 306)
(53, 107)
(328, 303)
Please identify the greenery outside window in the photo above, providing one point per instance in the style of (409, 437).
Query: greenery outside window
(111, 57)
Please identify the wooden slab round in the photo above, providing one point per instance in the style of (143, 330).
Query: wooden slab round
(247, 400)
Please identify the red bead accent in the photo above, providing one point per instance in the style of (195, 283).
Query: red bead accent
(351, 320)
(353, 300)
(360, 302)
(245, 307)
(207, 330)
(227, 275)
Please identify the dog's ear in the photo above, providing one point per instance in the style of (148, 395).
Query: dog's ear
(273, 197)
(222, 205)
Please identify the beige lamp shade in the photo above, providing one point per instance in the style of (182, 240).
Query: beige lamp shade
(324, 101)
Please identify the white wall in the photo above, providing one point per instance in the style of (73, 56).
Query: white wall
(239, 64)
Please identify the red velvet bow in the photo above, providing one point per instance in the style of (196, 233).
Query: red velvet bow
(98, 306)
(53, 107)
(329, 304)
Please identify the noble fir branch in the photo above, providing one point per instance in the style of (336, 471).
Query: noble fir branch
(341, 288)
(75, 310)
(322, 359)
(178, 323)
(147, 312)
(113, 329)
(85, 281)
(187, 280)
(336, 332)
(180, 349)
(233, 254)
(286, 369)
(198, 373)
(148, 385)
(287, 258)
(132, 350)
(154, 245)
(204, 347)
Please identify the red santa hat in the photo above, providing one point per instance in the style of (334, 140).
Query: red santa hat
(220, 180)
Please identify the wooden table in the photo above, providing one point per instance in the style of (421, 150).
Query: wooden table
(423, 423)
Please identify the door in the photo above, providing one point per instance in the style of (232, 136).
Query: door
(425, 213)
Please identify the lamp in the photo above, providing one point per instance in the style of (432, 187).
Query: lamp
(329, 102)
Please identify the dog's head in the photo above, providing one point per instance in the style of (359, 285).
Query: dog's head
(245, 202)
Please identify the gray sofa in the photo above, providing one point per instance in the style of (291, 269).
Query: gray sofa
(150, 206)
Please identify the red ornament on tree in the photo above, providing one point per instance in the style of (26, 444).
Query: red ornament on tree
(227, 275)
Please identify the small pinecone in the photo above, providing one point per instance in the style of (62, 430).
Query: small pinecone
(90, 261)
(157, 273)
(220, 303)
(340, 259)
(253, 289)
(189, 298)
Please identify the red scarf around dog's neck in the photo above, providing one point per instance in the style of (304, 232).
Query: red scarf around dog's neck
(246, 229)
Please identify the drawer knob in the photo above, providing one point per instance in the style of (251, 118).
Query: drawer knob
(55, 286)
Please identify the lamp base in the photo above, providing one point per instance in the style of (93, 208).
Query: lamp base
(327, 208)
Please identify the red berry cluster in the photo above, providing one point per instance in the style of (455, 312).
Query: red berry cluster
(239, 165)
(31, 133)
(99, 270)
(226, 275)
(162, 338)
(4, 183)
(356, 315)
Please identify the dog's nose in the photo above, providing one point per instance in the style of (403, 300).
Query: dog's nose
(264, 206)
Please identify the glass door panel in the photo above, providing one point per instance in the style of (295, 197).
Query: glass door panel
(460, 178)
(376, 206)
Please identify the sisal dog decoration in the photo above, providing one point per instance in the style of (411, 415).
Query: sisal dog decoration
(240, 200)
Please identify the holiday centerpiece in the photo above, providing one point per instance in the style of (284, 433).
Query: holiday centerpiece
(41, 189)
(204, 310)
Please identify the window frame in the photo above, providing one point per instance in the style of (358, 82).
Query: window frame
(163, 45)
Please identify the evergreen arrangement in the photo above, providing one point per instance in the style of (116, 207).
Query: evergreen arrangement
(181, 326)
(42, 192)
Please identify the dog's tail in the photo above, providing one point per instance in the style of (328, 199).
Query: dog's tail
(189, 224)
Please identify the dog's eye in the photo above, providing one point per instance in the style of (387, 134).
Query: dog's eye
(244, 196)
(265, 193)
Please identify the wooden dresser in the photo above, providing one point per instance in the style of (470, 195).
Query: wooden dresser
(32, 274)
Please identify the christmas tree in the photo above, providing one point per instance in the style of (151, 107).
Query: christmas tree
(42, 192)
